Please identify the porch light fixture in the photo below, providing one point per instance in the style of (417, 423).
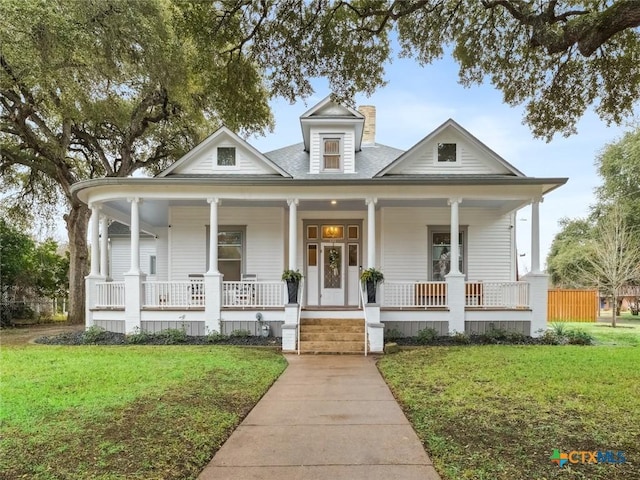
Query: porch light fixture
(334, 202)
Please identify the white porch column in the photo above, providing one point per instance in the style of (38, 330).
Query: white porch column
(135, 235)
(134, 291)
(535, 235)
(104, 246)
(213, 277)
(91, 280)
(371, 231)
(95, 240)
(455, 279)
(213, 234)
(538, 281)
(293, 232)
(455, 234)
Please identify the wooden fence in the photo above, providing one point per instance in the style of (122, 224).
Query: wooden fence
(572, 305)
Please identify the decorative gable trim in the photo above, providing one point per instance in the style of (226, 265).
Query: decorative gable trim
(468, 137)
(234, 140)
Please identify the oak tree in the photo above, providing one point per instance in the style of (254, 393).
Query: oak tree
(92, 89)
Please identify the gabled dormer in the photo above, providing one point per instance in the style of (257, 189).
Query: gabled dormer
(332, 134)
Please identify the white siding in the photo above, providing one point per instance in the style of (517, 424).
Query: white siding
(206, 161)
(489, 246)
(120, 256)
(162, 254)
(471, 160)
(264, 245)
(348, 147)
(404, 243)
(187, 241)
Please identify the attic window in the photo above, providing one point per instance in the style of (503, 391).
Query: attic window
(331, 154)
(226, 156)
(447, 152)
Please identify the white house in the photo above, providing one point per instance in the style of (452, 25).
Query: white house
(330, 206)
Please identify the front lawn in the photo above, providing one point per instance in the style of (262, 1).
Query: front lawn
(498, 412)
(604, 334)
(124, 412)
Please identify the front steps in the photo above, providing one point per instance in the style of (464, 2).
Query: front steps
(332, 335)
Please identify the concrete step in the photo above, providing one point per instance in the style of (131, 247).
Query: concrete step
(332, 329)
(331, 336)
(331, 347)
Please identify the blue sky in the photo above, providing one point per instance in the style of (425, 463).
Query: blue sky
(418, 99)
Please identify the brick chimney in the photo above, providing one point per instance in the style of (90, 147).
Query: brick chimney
(369, 133)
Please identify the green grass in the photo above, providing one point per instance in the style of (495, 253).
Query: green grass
(124, 412)
(497, 412)
(604, 334)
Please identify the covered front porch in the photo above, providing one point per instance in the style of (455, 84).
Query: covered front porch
(234, 284)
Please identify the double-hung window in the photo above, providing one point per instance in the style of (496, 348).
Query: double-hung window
(440, 252)
(231, 245)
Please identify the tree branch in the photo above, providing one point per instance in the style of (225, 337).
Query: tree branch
(588, 29)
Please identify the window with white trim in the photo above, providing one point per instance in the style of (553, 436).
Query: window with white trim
(153, 265)
(447, 152)
(331, 154)
(440, 251)
(231, 250)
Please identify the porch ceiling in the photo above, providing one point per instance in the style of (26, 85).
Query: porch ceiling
(154, 213)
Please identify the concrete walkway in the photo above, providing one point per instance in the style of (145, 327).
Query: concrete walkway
(326, 417)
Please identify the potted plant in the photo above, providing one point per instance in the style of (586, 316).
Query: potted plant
(292, 277)
(371, 277)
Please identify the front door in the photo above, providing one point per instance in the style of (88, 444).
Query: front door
(332, 275)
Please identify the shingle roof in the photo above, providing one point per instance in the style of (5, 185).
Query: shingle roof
(369, 161)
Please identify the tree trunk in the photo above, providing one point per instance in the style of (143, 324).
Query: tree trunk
(77, 224)
(614, 310)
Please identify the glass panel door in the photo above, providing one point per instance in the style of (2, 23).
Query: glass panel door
(332, 287)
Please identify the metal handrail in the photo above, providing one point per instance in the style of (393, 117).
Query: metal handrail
(300, 300)
(364, 314)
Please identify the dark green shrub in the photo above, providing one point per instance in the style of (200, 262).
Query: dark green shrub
(550, 337)
(427, 336)
(392, 334)
(172, 336)
(461, 338)
(241, 333)
(139, 337)
(494, 335)
(93, 334)
(559, 328)
(215, 337)
(578, 337)
(516, 337)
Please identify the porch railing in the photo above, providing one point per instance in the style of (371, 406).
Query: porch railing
(414, 294)
(253, 294)
(110, 294)
(512, 295)
(174, 294)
